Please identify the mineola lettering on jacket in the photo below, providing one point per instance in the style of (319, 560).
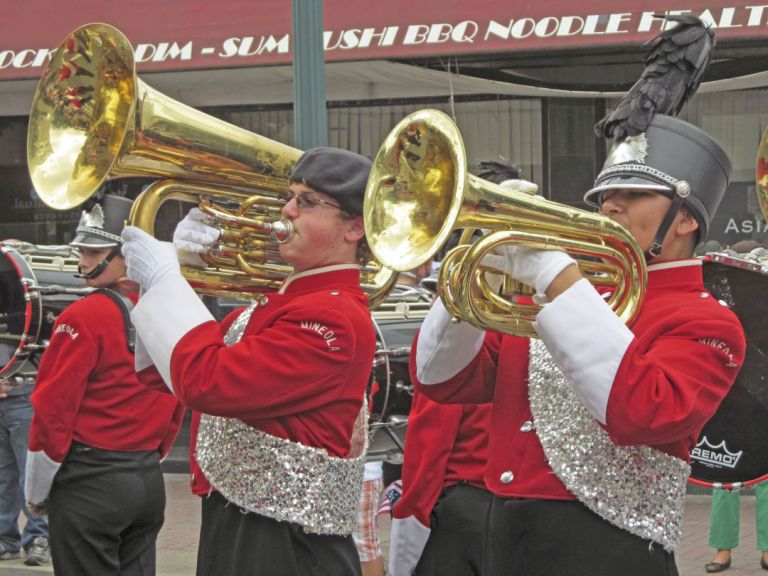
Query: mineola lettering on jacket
(327, 335)
(66, 328)
(722, 347)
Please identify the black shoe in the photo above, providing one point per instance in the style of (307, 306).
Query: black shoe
(7, 554)
(38, 552)
(717, 566)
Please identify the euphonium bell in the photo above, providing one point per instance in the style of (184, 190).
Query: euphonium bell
(761, 174)
(420, 191)
(92, 120)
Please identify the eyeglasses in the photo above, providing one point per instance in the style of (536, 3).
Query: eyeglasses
(309, 201)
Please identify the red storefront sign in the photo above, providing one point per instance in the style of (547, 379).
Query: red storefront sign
(198, 34)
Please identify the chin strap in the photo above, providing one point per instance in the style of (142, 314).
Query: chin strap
(100, 267)
(682, 190)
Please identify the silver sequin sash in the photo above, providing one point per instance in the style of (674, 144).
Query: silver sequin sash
(637, 488)
(279, 478)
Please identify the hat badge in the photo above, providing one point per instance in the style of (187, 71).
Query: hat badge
(633, 149)
(92, 219)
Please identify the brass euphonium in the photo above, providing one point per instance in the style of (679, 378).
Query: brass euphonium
(761, 174)
(420, 191)
(92, 120)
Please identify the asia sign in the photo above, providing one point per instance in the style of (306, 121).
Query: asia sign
(197, 34)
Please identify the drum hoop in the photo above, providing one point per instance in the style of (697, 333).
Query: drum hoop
(739, 263)
(728, 485)
(736, 262)
(26, 277)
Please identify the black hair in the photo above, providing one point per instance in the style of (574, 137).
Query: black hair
(497, 172)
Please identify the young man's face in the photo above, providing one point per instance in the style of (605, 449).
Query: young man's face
(641, 212)
(91, 257)
(322, 235)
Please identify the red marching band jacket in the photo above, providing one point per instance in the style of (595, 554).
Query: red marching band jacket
(87, 391)
(684, 352)
(445, 444)
(299, 372)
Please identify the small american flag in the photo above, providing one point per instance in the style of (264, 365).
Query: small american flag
(390, 496)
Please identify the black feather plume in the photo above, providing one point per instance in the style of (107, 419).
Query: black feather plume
(674, 67)
(497, 172)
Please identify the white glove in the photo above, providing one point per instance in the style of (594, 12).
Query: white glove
(537, 268)
(193, 236)
(520, 186)
(147, 258)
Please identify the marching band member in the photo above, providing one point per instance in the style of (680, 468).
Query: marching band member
(98, 434)
(592, 425)
(438, 524)
(280, 384)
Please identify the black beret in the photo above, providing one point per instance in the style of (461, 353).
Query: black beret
(338, 173)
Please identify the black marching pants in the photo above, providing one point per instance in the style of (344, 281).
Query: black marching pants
(455, 545)
(105, 511)
(234, 543)
(564, 538)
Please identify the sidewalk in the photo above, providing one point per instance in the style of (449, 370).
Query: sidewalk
(177, 544)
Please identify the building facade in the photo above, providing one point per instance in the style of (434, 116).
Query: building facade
(524, 81)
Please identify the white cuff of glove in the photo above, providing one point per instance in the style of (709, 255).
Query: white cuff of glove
(445, 347)
(551, 263)
(587, 341)
(172, 300)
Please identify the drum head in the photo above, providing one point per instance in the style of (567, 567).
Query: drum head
(731, 447)
(20, 311)
(397, 320)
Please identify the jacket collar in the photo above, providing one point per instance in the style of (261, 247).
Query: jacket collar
(336, 275)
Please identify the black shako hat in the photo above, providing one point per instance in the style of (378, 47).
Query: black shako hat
(101, 225)
(672, 157)
(338, 173)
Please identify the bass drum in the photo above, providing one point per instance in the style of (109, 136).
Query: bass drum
(390, 391)
(731, 448)
(36, 284)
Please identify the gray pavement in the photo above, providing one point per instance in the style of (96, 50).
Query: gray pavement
(177, 544)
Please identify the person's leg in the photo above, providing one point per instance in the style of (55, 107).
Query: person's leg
(455, 544)
(552, 538)
(248, 544)
(723, 526)
(761, 519)
(10, 498)
(91, 505)
(144, 489)
(19, 422)
(366, 532)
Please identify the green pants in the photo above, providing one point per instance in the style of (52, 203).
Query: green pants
(724, 523)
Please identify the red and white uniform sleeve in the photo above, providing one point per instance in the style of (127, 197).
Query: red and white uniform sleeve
(295, 367)
(432, 430)
(299, 371)
(656, 385)
(61, 381)
(165, 313)
(87, 391)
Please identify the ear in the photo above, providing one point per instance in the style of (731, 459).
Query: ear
(686, 223)
(355, 229)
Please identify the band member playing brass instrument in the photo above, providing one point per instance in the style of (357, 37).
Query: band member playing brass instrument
(280, 385)
(593, 422)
